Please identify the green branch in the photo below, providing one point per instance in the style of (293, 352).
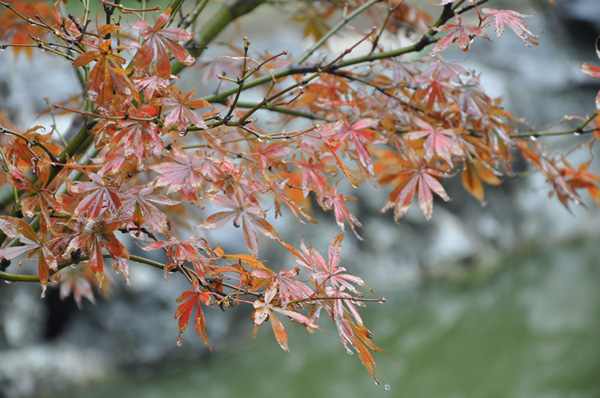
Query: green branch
(36, 278)
(226, 14)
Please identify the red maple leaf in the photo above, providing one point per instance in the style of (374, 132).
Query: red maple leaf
(181, 174)
(96, 235)
(593, 71)
(189, 300)
(97, 197)
(360, 134)
(159, 40)
(512, 19)
(414, 180)
(183, 114)
(179, 252)
(335, 200)
(438, 142)
(138, 204)
(329, 272)
(31, 244)
(107, 78)
(246, 213)
(463, 34)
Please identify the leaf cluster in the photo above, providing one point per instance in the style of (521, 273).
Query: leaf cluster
(149, 152)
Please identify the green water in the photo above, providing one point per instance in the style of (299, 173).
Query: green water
(530, 330)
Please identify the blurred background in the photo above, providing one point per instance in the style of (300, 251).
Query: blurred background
(500, 300)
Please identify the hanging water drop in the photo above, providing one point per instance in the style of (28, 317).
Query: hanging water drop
(179, 343)
(533, 138)
(483, 204)
(387, 387)
(8, 282)
(382, 300)
(577, 134)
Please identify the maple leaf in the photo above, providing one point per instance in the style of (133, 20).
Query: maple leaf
(38, 199)
(475, 171)
(582, 178)
(537, 155)
(414, 180)
(77, 281)
(183, 174)
(183, 114)
(138, 204)
(312, 176)
(269, 156)
(330, 272)
(361, 135)
(94, 236)
(31, 244)
(107, 79)
(463, 34)
(279, 192)
(139, 139)
(18, 31)
(264, 310)
(246, 213)
(335, 200)
(593, 71)
(98, 196)
(189, 300)
(290, 288)
(437, 88)
(159, 40)
(150, 85)
(512, 19)
(439, 142)
(22, 153)
(184, 251)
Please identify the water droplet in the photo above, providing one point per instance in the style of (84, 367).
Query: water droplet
(376, 383)
(382, 300)
(179, 343)
(8, 282)
(387, 387)
(182, 133)
(577, 134)
(261, 139)
(533, 138)
(483, 204)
